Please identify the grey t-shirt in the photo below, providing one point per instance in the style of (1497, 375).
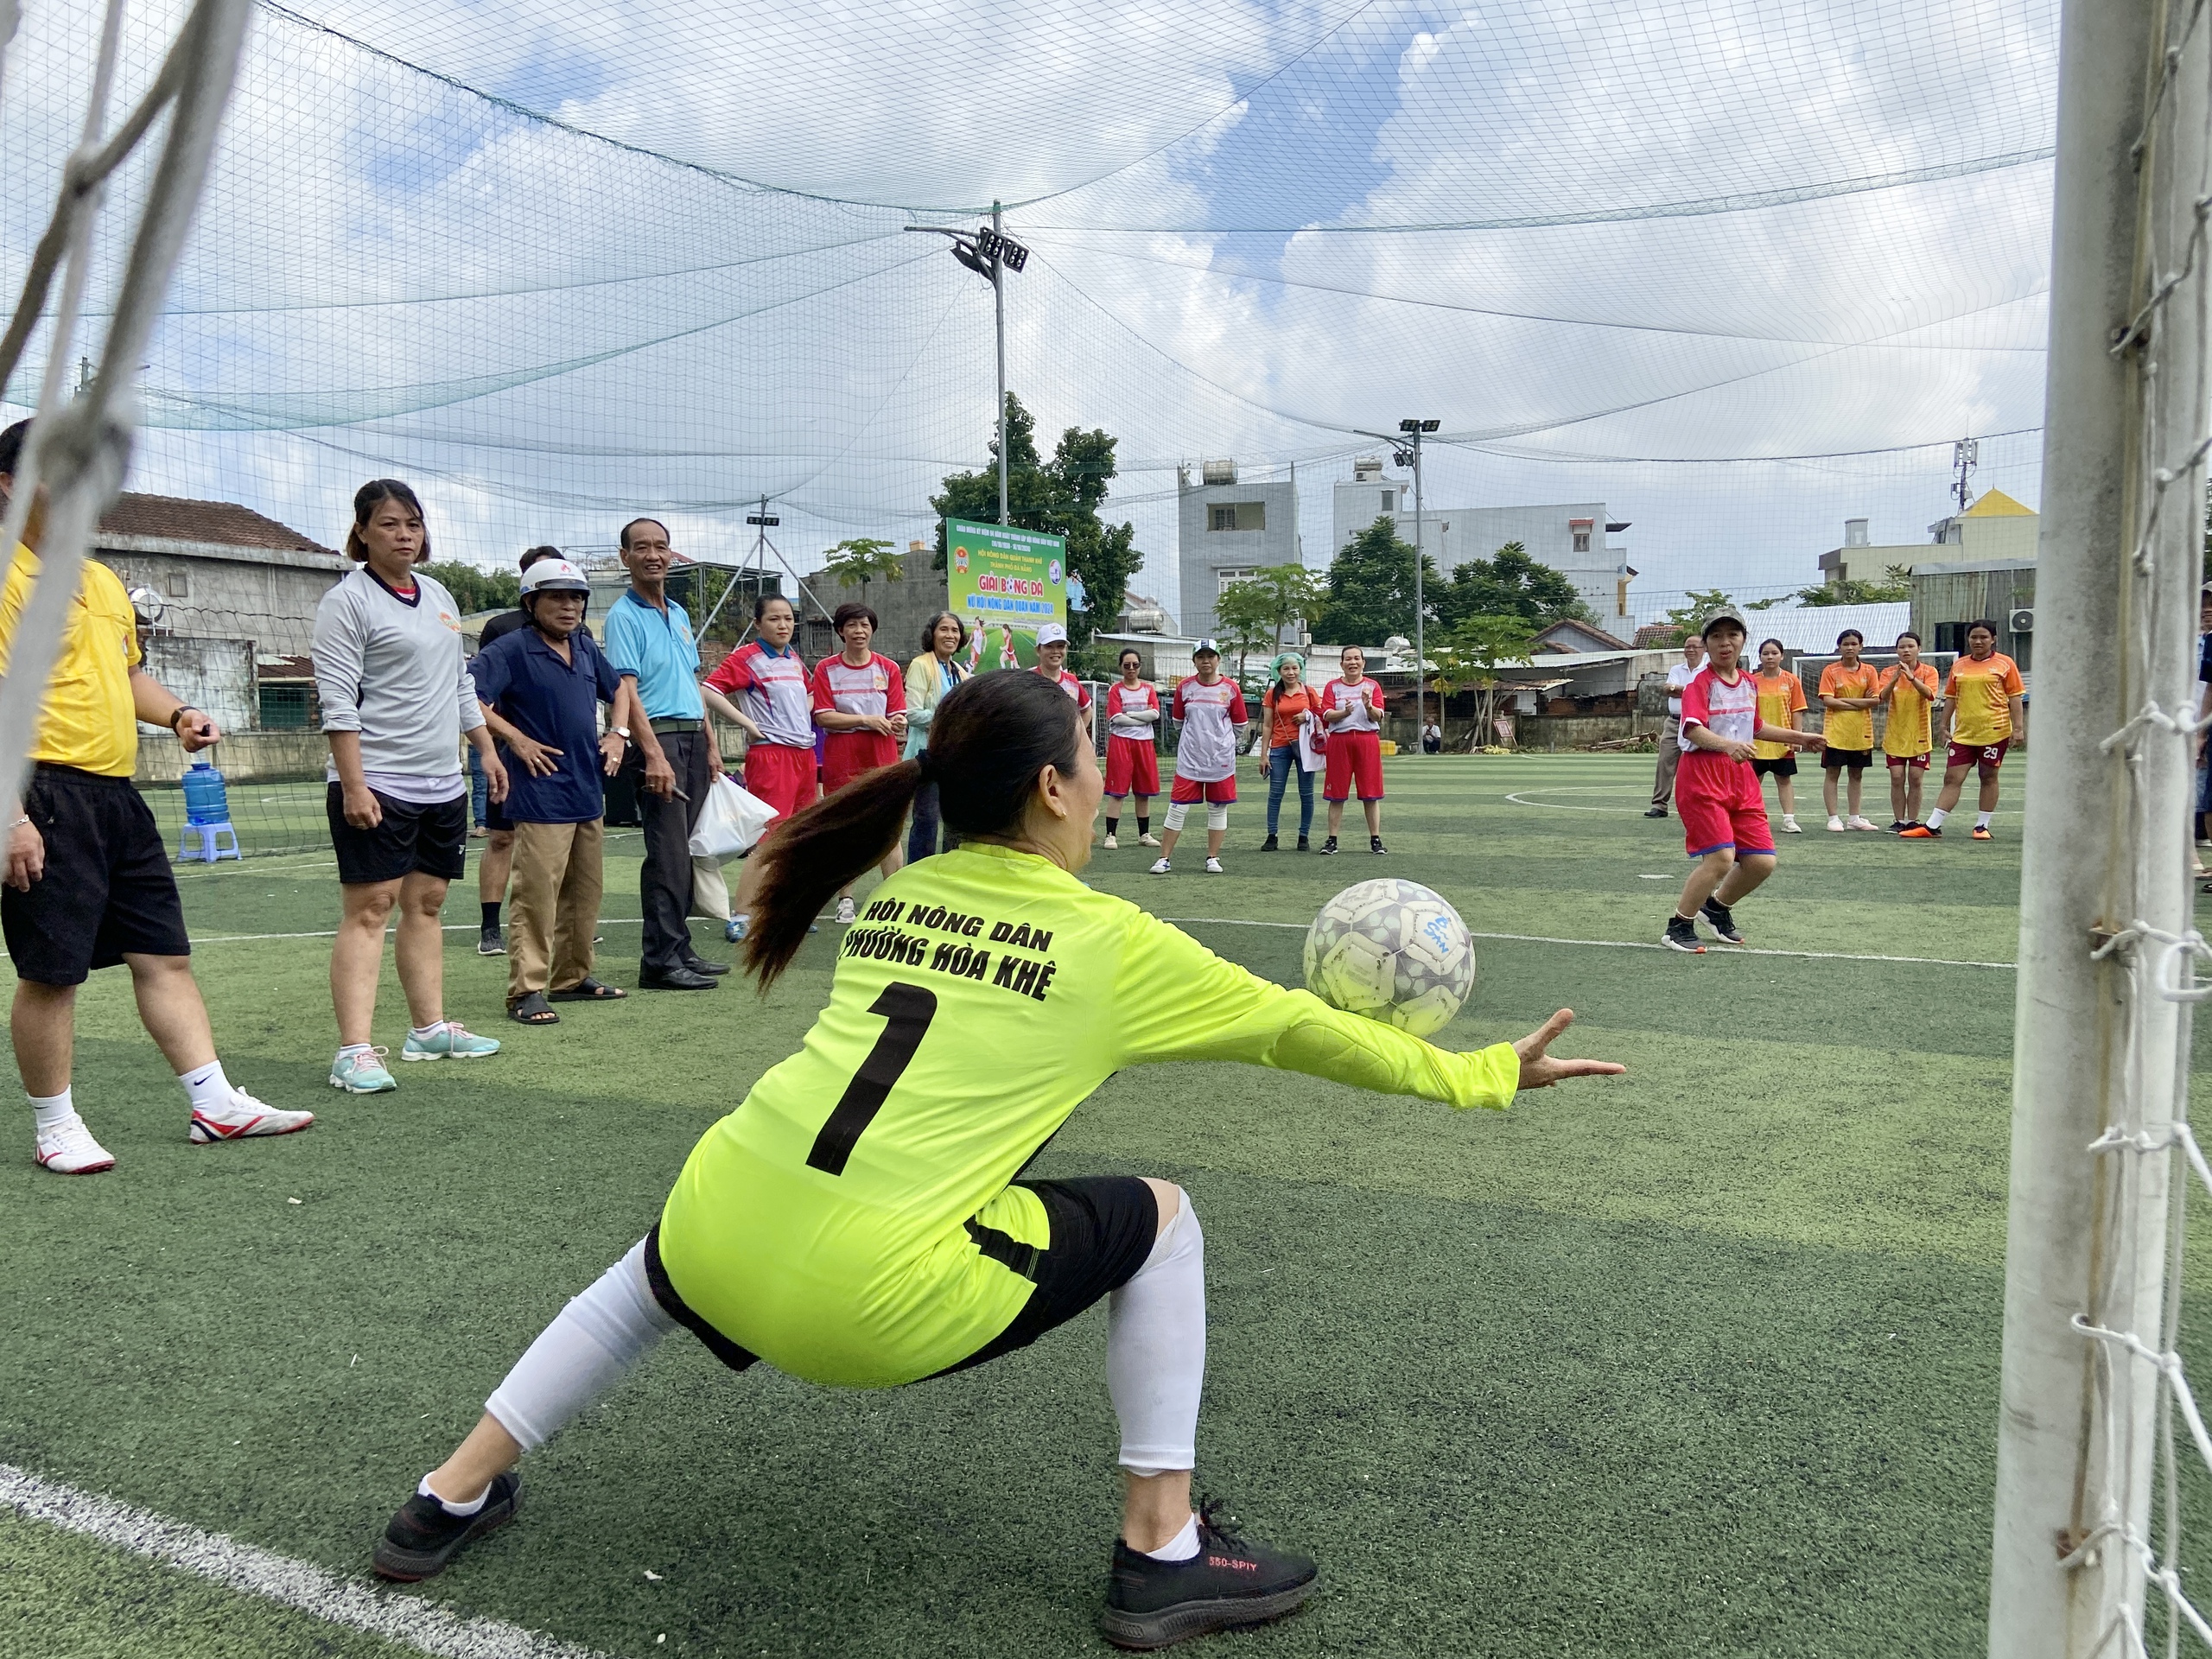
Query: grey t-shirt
(395, 672)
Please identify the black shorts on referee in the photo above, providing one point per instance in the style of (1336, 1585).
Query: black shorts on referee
(107, 890)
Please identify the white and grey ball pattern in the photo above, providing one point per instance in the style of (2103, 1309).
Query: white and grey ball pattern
(1391, 950)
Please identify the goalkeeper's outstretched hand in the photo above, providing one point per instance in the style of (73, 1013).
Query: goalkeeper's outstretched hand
(1540, 1071)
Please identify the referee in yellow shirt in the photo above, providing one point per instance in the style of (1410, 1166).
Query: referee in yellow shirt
(87, 878)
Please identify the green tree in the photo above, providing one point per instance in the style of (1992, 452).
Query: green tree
(861, 559)
(1062, 496)
(1256, 611)
(1245, 620)
(1510, 583)
(1370, 588)
(476, 590)
(1896, 585)
(1697, 605)
(1470, 655)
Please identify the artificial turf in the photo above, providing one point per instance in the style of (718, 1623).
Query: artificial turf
(1701, 1360)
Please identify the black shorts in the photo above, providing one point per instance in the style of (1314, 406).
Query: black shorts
(107, 887)
(432, 840)
(1838, 759)
(495, 815)
(1783, 766)
(1102, 1228)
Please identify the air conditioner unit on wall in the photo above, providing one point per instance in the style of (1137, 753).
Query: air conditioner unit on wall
(2021, 621)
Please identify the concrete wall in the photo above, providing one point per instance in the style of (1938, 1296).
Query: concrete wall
(214, 676)
(242, 757)
(1202, 554)
(267, 596)
(1942, 597)
(901, 606)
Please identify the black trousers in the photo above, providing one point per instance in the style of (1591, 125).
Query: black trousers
(665, 881)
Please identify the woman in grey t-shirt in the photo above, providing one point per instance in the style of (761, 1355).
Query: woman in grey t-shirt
(397, 700)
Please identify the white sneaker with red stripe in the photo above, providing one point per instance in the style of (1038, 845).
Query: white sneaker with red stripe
(243, 1117)
(69, 1149)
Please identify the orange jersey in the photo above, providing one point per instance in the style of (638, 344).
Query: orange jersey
(1850, 729)
(1983, 692)
(1912, 698)
(1781, 699)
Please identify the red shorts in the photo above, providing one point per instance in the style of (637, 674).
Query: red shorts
(1355, 761)
(782, 776)
(1189, 791)
(1986, 757)
(1906, 762)
(1132, 767)
(847, 754)
(1719, 804)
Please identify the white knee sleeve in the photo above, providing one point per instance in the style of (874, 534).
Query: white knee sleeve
(1218, 815)
(577, 1360)
(1156, 1350)
(1177, 811)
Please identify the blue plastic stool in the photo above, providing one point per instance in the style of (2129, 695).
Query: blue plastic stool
(200, 841)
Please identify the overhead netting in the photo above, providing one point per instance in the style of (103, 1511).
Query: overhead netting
(1740, 271)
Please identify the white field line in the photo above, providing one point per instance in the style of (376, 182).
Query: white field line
(1632, 944)
(353, 1603)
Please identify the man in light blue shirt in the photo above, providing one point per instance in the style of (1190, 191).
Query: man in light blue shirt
(649, 641)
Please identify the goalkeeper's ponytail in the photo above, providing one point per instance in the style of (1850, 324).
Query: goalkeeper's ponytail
(991, 738)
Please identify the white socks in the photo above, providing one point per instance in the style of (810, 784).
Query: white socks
(207, 1086)
(423, 1034)
(1180, 1547)
(449, 1505)
(1156, 1350)
(577, 1360)
(52, 1111)
(1936, 818)
(1981, 820)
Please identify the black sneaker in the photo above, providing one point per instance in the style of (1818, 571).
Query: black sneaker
(1269, 845)
(1655, 812)
(1718, 919)
(1330, 845)
(490, 942)
(1681, 935)
(1230, 1583)
(1374, 844)
(424, 1538)
(1302, 847)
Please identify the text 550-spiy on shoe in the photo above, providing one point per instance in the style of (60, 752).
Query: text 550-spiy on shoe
(1233, 1581)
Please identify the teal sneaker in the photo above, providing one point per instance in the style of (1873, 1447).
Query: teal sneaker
(361, 1071)
(448, 1042)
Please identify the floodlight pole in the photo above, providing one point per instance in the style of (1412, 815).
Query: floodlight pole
(998, 306)
(1408, 437)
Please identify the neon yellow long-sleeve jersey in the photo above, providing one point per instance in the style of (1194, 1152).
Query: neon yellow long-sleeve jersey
(982, 995)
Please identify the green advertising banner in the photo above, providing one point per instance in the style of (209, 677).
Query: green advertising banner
(1005, 584)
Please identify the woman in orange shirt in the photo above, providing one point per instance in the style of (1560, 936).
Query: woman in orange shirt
(1288, 706)
(1782, 699)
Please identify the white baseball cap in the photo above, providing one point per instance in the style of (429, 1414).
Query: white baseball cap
(1051, 634)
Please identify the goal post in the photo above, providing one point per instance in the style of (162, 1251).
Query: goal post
(2108, 943)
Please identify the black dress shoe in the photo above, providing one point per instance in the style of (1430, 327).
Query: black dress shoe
(701, 965)
(678, 979)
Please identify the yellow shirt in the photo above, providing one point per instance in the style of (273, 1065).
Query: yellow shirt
(1912, 697)
(1984, 691)
(1850, 729)
(86, 719)
(1780, 698)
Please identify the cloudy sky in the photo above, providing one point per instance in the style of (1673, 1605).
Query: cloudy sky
(1741, 271)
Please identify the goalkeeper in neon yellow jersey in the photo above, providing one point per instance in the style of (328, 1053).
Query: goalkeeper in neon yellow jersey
(858, 1220)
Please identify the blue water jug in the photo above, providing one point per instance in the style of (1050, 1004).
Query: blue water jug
(205, 799)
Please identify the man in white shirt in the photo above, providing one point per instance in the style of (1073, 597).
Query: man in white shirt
(1670, 747)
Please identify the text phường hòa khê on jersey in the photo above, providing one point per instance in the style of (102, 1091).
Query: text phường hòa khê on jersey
(884, 937)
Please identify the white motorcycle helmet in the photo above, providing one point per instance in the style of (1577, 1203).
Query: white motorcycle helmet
(553, 577)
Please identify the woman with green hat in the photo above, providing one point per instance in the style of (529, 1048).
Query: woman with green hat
(1290, 709)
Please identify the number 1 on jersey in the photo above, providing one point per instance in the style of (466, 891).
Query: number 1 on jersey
(907, 1011)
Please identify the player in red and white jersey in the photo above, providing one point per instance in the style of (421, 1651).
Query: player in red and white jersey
(1132, 747)
(1212, 710)
(1352, 709)
(860, 702)
(1053, 663)
(1716, 792)
(766, 684)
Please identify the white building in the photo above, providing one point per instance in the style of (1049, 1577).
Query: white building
(1224, 532)
(1572, 537)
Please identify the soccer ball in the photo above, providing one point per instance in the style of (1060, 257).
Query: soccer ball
(1393, 952)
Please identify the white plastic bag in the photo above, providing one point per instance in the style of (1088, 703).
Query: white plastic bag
(730, 821)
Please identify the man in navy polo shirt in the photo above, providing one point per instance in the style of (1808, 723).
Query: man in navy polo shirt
(541, 687)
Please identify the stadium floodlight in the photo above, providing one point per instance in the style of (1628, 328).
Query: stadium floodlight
(989, 252)
(1407, 454)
